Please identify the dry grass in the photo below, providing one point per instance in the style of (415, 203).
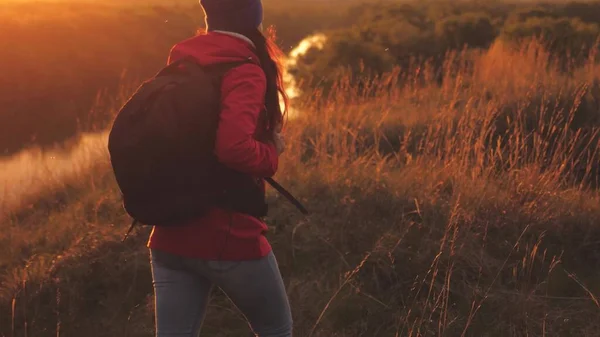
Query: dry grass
(460, 209)
(34, 172)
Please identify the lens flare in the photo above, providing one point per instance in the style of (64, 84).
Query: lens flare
(316, 41)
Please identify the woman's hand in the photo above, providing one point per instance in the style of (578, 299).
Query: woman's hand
(278, 139)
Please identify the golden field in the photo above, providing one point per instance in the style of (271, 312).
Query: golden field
(461, 207)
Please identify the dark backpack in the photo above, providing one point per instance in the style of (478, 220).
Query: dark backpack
(161, 147)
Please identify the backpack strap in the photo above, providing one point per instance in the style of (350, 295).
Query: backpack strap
(133, 224)
(287, 195)
(189, 65)
(219, 70)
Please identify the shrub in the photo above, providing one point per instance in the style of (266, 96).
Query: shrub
(569, 38)
(471, 29)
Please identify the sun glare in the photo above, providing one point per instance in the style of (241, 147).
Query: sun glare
(316, 41)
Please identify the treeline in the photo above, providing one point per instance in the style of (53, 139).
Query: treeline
(59, 56)
(389, 34)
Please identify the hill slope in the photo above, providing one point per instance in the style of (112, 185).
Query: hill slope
(424, 222)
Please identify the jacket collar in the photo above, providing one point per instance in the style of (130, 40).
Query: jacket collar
(238, 35)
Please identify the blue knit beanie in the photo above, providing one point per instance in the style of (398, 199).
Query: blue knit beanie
(232, 15)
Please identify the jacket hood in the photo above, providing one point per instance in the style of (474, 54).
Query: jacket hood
(214, 48)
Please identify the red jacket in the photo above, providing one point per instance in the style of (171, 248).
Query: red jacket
(220, 234)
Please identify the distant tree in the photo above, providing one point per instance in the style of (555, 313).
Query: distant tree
(523, 14)
(585, 11)
(565, 37)
(385, 34)
(471, 29)
(344, 55)
(411, 13)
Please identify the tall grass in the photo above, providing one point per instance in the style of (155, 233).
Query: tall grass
(476, 220)
(455, 209)
(29, 174)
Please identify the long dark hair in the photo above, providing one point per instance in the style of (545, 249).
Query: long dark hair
(270, 57)
(271, 60)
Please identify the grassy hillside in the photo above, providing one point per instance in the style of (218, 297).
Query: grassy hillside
(450, 197)
(438, 210)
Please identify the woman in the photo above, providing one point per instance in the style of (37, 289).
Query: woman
(224, 249)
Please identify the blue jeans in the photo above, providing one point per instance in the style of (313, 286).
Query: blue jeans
(182, 289)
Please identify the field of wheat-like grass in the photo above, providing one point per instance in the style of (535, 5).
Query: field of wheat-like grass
(464, 208)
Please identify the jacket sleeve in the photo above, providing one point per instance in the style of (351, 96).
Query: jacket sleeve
(242, 101)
